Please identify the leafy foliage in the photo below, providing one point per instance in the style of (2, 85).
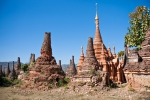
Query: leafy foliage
(140, 22)
(24, 67)
(63, 83)
(121, 53)
(67, 80)
(4, 81)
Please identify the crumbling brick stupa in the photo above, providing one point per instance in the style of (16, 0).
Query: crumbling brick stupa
(137, 66)
(71, 69)
(45, 70)
(32, 59)
(12, 74)
(18, 67)
(90, 72)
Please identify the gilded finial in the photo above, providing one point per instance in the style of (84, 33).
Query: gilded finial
(96, 12)
(114, 48)
(81, 49)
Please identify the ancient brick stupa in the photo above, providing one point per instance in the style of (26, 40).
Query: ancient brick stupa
(137, 66)
(90, 61)
(80, 61)
(12, 74)
(71, 69)
(7, 71)
(45, 70)
(18, 66)
(32, 59)
(90, 71)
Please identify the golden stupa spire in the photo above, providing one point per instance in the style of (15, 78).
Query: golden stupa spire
(98, 38)
(96, 17)
(82, 50)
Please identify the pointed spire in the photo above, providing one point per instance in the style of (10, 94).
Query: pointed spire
(82, 50)
(109, 46)
(96, 17)
(7, 70)
(98, 38)
(62, 72)
(60, 63)
(90, 49)
(81, 58)
(114, 49)
(70, 62)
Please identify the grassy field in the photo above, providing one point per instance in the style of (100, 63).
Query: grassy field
(63, 93)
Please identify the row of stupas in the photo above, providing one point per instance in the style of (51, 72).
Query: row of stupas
(11, 74)
(98, 54)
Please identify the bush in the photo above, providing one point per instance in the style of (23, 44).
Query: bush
(60, 83)
(4, 81)
(67, 80)
(112, 84)
(24, 67)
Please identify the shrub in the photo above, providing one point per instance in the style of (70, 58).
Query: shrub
(112, 84)
(60, 83)
(24, 67)
(4, 81)
(67, 80)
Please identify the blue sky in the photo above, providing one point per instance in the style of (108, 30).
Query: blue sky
(71, 22)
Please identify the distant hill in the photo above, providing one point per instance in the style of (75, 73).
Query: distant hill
(64, 66)
(4, 64)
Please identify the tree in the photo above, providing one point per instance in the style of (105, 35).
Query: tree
(140, 22)
(24, 67)
(120, 54)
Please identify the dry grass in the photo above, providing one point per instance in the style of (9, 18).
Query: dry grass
(11, 93)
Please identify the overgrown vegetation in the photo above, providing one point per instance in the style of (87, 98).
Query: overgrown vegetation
(4, 81)
(122, 85)
(63, 83)
(24, 67)
(140, 22)
(121, 53)
(67, 80)
(31, 65)
(113, 84)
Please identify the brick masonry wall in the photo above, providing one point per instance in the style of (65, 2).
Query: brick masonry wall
(138, 80)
